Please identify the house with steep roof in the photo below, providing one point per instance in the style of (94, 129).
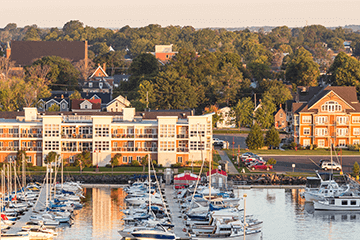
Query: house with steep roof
(327, 115)
(99, 81)
(227, 118)
(86, 105)
(117, 104)
(280, 119)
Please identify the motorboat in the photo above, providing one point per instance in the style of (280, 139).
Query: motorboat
(341, 203)
(157, 232)
(5, 236)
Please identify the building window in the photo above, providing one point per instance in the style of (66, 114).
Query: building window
(138, 158)
(306, 131)
(180, 159)
(321, 132)
(356, 119)
(306, 142)
(281, 115)
(90, 85)
(130, 159)
(342, 143)
(331, 106)
(29, 159)
(71, 159)
(125, 159)
(63, 105)
(356, 131)
(321, 120)
(321, 143)
(342, 131)
(342, 120)
(356, 142)
(306, 119)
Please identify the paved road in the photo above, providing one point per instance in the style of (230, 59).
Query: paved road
(231, 167)
(304, 164)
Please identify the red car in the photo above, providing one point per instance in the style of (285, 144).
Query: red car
(261, 166)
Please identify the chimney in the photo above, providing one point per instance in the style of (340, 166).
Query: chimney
(280, 105)
(8, 50)
(104, 67)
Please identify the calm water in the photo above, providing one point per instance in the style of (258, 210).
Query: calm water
(285, 216)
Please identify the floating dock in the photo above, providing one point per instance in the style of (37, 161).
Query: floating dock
(17, 227)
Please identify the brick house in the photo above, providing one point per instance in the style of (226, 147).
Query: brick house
(280, 119)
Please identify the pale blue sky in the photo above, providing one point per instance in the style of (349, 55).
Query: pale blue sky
(197, 13)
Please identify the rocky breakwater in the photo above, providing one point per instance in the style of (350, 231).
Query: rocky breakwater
(98, 179)
(267, 179)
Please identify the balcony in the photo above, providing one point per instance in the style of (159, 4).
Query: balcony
(146, 136)
(81, 149)
(69, 149)
(122, 135)
(9, 135)
(76, 136)
(9, 149)
(132, 149)
(31, 135)
(182, 136)
(32, 149)
(183, 149)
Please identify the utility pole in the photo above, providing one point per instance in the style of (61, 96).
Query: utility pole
(147, 99)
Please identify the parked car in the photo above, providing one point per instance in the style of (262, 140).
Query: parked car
(331, 165)
(256, 161)
(248, 154)
(323, 160)
(261, 166)
(250, 160)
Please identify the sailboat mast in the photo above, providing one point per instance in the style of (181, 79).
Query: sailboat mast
(149, 183)
(47, 192)
(210, 176)
(62, 173)
(23, 171)
(15, 186)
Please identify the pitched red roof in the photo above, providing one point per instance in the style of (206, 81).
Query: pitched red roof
(214, 171)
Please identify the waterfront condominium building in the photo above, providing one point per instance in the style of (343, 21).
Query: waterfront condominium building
(329, 115)
(169, 136)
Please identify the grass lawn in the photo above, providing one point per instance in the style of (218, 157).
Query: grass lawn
(324, 152)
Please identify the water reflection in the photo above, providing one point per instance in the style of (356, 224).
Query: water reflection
(100, 217)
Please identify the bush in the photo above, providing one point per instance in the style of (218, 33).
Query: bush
(353, 147)
(176, 165)
(271, 161)
(293, 145)
(135, 163)
(108, 165)
(356, 169)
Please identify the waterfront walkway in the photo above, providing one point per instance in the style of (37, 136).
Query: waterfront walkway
(175, 213)
(40, 204)
(231, 167)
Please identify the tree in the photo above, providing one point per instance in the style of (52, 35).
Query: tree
(147, 93)
(85, 67)
(62, 73)
(271, 161)
(75, 95)
(255, 139)
(302, 70)
(144, 162)
(115, 161)
(244, 112)
(114, 60)
(54, 108)
(215, 117)
(51, 157)
(272, 138)
(264, 113)
(345, 71)
(356, 169)
(84, 159)
(20, 157)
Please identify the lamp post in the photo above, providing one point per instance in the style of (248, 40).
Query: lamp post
(245, 195)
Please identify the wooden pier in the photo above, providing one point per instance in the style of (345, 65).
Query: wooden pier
(17, 227)
(175, 213)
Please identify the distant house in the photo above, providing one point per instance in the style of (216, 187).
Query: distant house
(218, 178)
(118, 78)
(105, 97)
(164, 53)
(24, 53)
(280, 119)
(227, 119)
(86, 105)
(99, 81)
(60, 98)
(117, 104)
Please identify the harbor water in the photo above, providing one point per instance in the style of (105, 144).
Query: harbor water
(283, 211)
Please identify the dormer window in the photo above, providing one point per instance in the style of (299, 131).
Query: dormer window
(90, 84)
(100, 84)
(331, 106)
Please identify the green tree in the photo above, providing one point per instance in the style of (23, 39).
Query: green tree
(272, 138)
(302, 70)
(345, 71)
(32, 34)
(144, 162)
(51, 157)
(264, 113)
(115, 161)
(75, 95)
(62, 73)
(260, 68)
(271, 161)
(279, 92)
(54, 108)
(147, 93)
(244, 112)
(114, 60)
(84, 159)
(356, 169)
(255, 139)
(215, 117)
(20, 157)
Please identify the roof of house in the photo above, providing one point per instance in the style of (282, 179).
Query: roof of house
(25, 52)
(347, 93)
(120, 99)
(75, 104)
(99, 68)
(214, 171)
(105, 97)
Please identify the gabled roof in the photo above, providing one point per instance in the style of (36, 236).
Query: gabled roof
(217, 171)
(120, 99)
(105, 97)
(75, 104)
(25, 52)
(99, 68)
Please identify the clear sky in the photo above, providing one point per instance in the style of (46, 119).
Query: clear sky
(196, 13)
